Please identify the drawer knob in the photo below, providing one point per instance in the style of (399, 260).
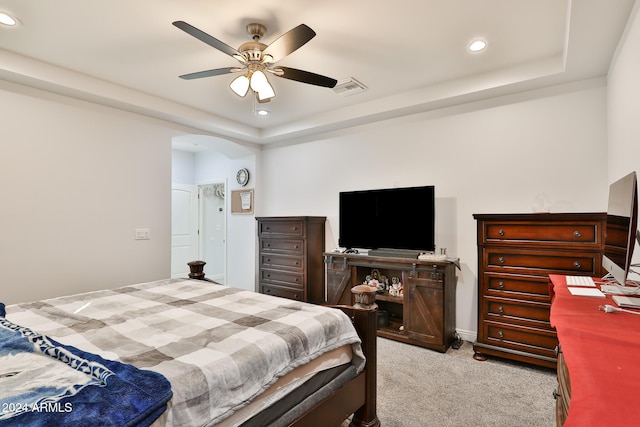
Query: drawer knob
(297, 297)
(295, 228)
(501, 232)
(268, 291)
(296, 247)
(500, 334)
(501, 260)
(576, 264)
(501, 285)
(577, 233)
(500, 310)
(268, 259)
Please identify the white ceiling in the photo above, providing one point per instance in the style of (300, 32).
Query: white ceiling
(411, 54)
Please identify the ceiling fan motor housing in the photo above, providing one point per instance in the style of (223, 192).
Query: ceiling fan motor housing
(252, 51)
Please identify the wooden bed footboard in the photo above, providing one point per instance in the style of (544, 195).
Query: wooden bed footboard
(358, 396)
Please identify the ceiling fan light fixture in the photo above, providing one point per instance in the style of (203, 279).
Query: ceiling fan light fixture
(266, 93)
(258, 81)
(261, 86)
(240, 85)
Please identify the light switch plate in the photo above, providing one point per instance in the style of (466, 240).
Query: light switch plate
(143, 233)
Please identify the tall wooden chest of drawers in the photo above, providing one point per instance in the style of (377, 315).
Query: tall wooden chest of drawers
(516, 253)
(291, 263)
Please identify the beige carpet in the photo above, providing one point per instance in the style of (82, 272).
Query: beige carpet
(418, 387)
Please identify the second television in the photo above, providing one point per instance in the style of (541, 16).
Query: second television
(392, 218)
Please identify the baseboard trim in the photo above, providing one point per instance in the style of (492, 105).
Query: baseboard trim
(467, 335)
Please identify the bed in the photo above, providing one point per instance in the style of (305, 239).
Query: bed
(189, 352)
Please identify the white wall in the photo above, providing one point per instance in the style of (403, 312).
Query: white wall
(183, 167)
(624, 103)
(76, 180)
(489, 157)
(623, 106)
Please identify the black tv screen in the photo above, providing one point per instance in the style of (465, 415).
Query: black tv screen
(393, 218)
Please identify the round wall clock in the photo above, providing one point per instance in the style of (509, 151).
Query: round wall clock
(242, 176)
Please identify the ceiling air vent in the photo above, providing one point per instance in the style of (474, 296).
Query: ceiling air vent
(348, 87)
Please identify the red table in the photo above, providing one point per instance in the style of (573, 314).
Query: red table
(602, 354)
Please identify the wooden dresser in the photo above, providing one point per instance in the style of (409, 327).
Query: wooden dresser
(516, 254)
(290, 262)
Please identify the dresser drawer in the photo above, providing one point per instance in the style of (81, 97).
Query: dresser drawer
(293, 246)
(552, 233)
(294, 280)
(530, 340)
(281, 262)
(518, 312)
(293, 228)
(294, 294)
(529, 288)
(542, 262)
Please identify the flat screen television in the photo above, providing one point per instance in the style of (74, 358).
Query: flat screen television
(400, 219)
(621, 227)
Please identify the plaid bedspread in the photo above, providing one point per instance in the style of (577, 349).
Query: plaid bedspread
(218, 346)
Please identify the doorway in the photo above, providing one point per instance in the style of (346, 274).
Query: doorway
(213, 234)
(198, 229)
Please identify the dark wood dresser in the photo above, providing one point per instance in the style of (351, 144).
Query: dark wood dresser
(516, 254)
(290, 251)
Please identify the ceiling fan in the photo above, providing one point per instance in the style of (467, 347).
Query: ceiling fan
(255, 58)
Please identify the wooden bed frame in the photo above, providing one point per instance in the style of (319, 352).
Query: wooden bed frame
(358, 396)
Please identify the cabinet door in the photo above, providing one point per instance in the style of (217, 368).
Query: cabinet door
(424, 306)
(339, 282)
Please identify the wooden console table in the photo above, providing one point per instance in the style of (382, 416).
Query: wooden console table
(424, 315)
(599, 365)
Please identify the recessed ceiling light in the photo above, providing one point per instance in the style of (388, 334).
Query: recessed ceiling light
(477, 45)
(8, 20)
(263, 113)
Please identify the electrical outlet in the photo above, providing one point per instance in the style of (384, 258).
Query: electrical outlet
(143, 233)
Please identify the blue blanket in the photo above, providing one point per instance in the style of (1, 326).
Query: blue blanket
(45, 383)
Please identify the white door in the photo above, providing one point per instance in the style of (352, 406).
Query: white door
(213, 245)
(184, 228)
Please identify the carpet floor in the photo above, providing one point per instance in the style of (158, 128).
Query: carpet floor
(418, 387)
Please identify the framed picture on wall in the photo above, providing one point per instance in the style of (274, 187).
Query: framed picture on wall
(242, 201)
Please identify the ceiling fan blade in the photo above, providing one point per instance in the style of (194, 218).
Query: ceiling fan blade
(306, 77)
(210, 73)
(206, 38)
(289, 42)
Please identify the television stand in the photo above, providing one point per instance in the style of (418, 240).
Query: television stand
(394, 253)
(424, 314)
